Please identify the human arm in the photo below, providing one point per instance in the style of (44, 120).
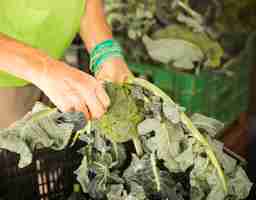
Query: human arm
(68, 88)
(94, 30)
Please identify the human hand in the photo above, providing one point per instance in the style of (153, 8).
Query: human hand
(114, 70)
(72, 90)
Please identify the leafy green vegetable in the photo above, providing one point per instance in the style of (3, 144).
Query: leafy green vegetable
(178, 162)
(240, 184)
(145, 172)
(118, 192)
(210, 125)
(119, 124)
(42, 128)
(187, 123)
(82, 175)
(210, 48)
(202, 23)
(184, 55)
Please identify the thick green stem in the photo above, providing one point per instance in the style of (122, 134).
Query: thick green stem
(138, 147)
(191, 12)
(115, 150)
(155, 171)
(186, 121)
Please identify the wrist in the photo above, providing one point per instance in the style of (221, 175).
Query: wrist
(103, 53)
(46, 70)
(91, 39)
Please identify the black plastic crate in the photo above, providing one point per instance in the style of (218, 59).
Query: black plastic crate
(49, 177)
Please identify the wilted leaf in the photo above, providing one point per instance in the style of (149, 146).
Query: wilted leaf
(10, 141)
(145, 172)
(117, 192)
(41, 128)
(171, 112)
(186, 158)
(190, 22)
(149, 125)
(228, 163)
(211, 49)
(181, 53)
(136, 192)
(240, 185)
(167, 145)
(82, 175)
(210, 125)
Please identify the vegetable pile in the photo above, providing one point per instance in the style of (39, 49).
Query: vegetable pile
(170, 158)
(204, 33)
(43, 127)
(143, 148)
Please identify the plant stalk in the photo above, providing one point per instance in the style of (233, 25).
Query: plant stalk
(186, 121)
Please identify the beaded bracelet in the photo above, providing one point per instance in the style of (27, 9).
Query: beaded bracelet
(103, 51)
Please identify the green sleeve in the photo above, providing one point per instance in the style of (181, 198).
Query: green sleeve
(49, 25)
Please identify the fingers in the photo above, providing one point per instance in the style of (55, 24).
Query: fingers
(72, 103)
(92, 103)
(95, 106)
(78, 92)
(82, 107)
(103, 97)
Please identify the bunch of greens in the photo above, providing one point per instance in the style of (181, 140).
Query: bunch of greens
(42, 128)
(143, 148)
(171, 159)
(204, 33)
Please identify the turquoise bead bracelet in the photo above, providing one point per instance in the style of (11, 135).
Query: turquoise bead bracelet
(103, 51)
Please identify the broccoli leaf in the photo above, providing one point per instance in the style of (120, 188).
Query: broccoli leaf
(211, 49)
(184, 56)
(41, 128)
(145, 172)
(119, 124)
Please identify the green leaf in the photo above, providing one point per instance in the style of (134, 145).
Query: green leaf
(145, 172)
(190, 22)
(239, 184)
(171, 112)
(167, 140)
(229, 164)
(186, 158)
(210, 125)
(117, 192)
(119, 124)
(186, 123)
(149, 125)
(41, 128)
(211, 49)
(136, 192)
(184, 56)
(101, 166)
(82, 175)
(10, 141)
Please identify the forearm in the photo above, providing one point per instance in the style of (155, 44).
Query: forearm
(94, 30)
(20, 60)
(94, 27)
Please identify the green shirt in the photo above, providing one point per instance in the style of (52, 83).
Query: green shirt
(49, 25)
